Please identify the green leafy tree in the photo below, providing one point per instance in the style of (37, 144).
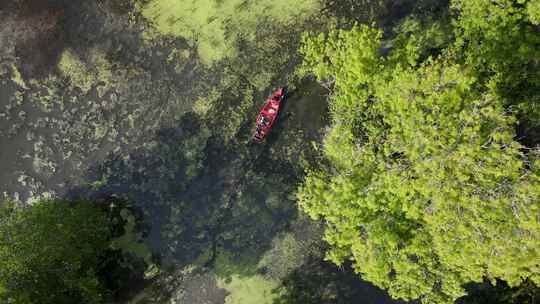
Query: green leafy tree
(424, 187)
(533, 11)
(500, 41)
(50, 251)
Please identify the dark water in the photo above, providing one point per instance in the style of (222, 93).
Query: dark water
(62, 132)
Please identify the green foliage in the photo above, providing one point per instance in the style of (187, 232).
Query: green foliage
(423, 36)
(425, 188)
(533, 10)
(325, 54)
(49, 252)
(500, 42)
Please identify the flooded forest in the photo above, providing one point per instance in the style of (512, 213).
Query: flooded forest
(128, 173)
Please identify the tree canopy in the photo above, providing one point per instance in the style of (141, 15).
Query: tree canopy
(424, 186)
(50, 252)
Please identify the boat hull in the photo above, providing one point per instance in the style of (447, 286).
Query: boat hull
(268, 115)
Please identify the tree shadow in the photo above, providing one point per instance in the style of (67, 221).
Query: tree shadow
(528, 134)
(323, 283)
(48, 26)
(500, 293)
(51, 26)
(384, 13)
(222, 210)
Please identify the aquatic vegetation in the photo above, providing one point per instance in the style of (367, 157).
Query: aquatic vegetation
(249, 290)
(73, 67)
(227, 265)
(286, 255)
(17, 77)
(203, 105)
(42, 162)
(192, 148)
(132, 240)
(87, 74)
(234, 115)
(48, 93)
(103, 71)
(179, 58)
(216, 27)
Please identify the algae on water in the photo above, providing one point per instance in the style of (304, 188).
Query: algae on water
(72, 66)
(85, 75)
(249, 290)
(130, 241)
(17, 77)
(216, 27)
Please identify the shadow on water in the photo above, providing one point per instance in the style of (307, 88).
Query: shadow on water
(48, 26)
(40, 30)
(54, 123)
(220, 209)
(150, 177)
(322, 283)
(384, 13)
(236, 204)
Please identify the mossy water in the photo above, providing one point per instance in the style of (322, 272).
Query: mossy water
(216, 28)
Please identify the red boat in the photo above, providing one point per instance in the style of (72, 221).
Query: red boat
(268, 115)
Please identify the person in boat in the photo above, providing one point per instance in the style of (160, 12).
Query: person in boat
(265, 121)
